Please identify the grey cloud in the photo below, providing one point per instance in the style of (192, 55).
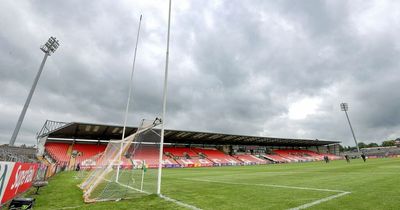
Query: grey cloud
(235, 66)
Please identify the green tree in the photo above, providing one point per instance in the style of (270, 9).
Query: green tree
(341, 148)
(348, 148)
(388, 143)
(361, 145)
(373, 145)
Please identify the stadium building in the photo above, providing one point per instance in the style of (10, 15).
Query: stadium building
(70, 144)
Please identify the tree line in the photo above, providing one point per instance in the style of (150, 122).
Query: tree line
(387, 143)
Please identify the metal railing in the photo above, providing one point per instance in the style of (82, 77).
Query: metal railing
(49, 126)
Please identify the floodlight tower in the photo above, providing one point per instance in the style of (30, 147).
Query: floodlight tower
(48, 48)
(345, 108)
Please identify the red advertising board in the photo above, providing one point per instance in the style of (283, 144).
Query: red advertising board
(5, 173)
(21, 178)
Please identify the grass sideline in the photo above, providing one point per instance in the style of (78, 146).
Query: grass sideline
(371, 185)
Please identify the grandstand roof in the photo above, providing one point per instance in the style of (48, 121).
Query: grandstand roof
(89, 131)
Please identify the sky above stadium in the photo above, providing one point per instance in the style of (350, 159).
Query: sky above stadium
(264, 68)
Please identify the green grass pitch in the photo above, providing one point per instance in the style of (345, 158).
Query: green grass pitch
(316, 185)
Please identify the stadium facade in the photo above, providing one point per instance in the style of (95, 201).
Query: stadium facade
(80, 141)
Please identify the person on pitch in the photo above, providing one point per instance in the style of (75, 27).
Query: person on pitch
(347, 158)
(326, 158)
(363, 157)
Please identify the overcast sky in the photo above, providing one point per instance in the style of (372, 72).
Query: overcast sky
(264, 68)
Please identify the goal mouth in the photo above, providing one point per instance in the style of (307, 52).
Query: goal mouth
(128, 168)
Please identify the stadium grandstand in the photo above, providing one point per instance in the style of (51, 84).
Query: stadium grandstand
(70, 144)
(380, 152)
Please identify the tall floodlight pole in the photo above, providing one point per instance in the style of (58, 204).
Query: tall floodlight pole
(48, 48)
(164, 105)
(345, 108)
(129, 99)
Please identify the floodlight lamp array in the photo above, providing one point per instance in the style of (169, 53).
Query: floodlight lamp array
(344, 106)
(51, 46)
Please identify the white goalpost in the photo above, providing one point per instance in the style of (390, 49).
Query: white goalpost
(124, 159)
(127, 168)
(121, 170)
(164, 104)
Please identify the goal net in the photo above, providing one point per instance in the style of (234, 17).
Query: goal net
(87, 165)
(127, 168)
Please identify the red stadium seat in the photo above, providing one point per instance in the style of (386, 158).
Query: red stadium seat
(186, 157)
(218, 157)
(250, 159)
(176, 156)
(58, 151)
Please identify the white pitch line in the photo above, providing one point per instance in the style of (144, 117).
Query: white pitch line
(304, 206)
(142, 191)
(268, 185)
(179, 203)
(161, 196)
(299, 188)
(341, 192)
(127, 186)
(70, 207)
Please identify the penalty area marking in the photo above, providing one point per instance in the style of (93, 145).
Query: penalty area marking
(161, 196)
(304, 206)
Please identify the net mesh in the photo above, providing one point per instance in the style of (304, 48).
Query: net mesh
(127, 168)
(86, 166)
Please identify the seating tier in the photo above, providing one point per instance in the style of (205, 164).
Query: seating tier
(250, 159)
(217, 157)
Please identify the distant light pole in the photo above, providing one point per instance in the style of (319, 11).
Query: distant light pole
(345, 107)
(48, 48)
